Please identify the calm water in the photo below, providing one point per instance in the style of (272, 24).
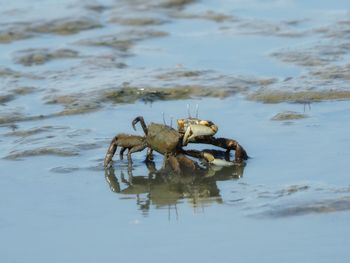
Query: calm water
(62, 67)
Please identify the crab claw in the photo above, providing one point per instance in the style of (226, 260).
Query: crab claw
(136, 120)
(217, 162)
(197, 128)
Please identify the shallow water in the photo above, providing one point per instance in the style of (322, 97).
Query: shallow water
(273, 75)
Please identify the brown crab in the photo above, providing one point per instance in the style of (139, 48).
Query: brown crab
(163, 139)
(169, 142)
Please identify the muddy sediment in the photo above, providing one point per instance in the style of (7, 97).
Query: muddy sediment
(293, 189)
(78, 108)
(29, 57)
(14, 117)
(6, 118)
(315, 56)
(338, 72)
(42, 141)
(126, 95)
(35, 131)
(168, 88)
(181, 73)
(174, 3)
(88, 102)
(6, 98)
(212, 79)
(288, 115)
(64, 170)
(338, 30)
(62, 152)
(13, 34)
(137, 21)
(24, 90)
(208, 15)
(299, 96)
(80, 103)
(10, 74)
(132, 94)
(301, 58)
(64, 26)
(263, 27)
(123, 41)
(317, 207)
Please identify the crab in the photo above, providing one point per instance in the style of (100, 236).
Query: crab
(169, 142)
(163, 139)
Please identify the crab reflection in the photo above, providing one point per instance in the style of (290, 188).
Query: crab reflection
(164, 189)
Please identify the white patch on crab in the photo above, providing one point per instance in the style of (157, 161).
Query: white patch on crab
(199, 130)
(195, 130)
(222, 163)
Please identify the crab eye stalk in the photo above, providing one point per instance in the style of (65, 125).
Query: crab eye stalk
(180, 124)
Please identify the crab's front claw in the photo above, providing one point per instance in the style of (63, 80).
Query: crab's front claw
(203, 128)
(136, 120)
(217, 162)
(142, 122)
(228, 144)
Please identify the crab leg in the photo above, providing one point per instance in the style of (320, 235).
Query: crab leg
(122, 150)
(111, 151)
(228, 144)
(131, 142)
(193, 153)
(137, 148)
